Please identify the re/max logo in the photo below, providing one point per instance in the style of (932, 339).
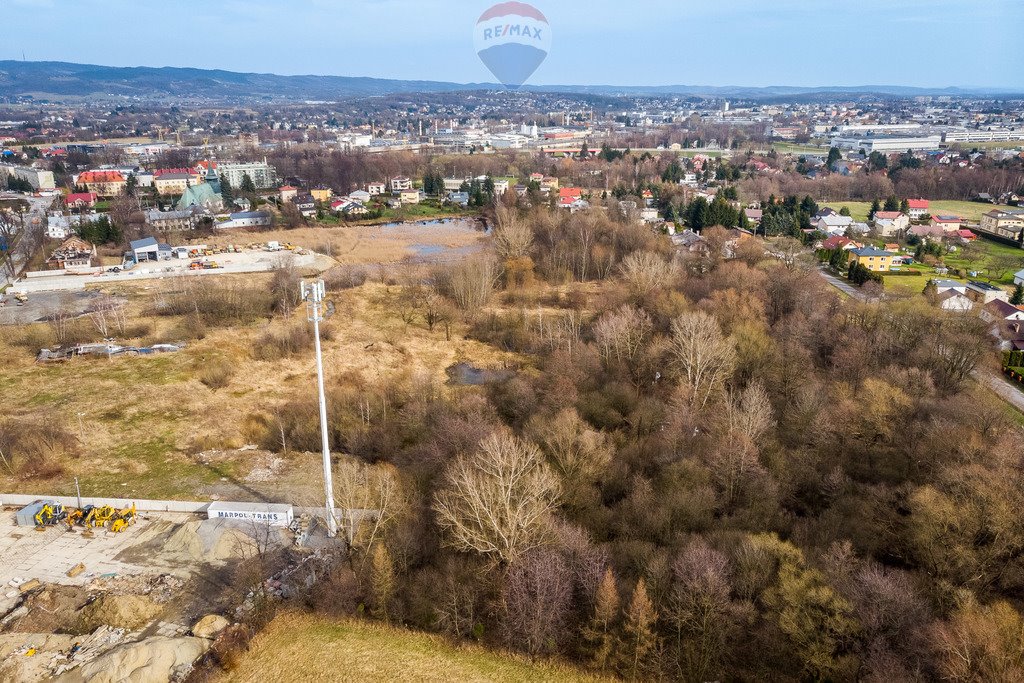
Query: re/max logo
(512, 30)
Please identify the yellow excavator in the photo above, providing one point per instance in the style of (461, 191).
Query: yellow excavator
(122, 519)
(49, 515)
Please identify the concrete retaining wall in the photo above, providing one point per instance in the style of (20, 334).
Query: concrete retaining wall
(19, 500)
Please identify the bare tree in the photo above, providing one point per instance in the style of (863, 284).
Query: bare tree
(645, 271)
(704, 357)
(468, 282)
(577, 450)
(535, 600)
(369, 497)
(622, 333)
(108, 314)
(497, 501)
(513, 236)
(748, 414)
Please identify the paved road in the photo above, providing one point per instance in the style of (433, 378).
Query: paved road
(994, 381)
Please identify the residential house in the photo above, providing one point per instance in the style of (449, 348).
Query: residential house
(649, 214)
(454, 184)
(361, 196)
(246, 219)
(80, 200)
(287, 193)
(500, 187)
(376, 189)
(839, 242)
(983, 292)
(889, 223)
(548, 184)
(1018, 278)
(955, 301)
(948, 223)
(409, 196)
(998, 309)
(73, 253)
(943, 286)
(171, 220)
(917, 208)
(834, 224)
(103, 183)
(305, 204)
(400, 184)
(173, 183)
(322, 193)
(1006, 223)
(930, 232)
(689, 241)
(754, 215)
(966, 236)
(460, 198)
(875, 260)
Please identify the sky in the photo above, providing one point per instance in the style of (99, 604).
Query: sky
(927, 43)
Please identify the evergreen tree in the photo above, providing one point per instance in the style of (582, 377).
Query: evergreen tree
(892, 203)
(248, 186)
(905, 207)
(876, 206)
(1017, 298)
(227, 192)
(845, 211)
(834, 155)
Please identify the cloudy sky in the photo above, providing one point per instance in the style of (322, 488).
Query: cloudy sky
(930, 43)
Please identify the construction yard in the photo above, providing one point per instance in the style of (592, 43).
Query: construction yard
(94, 605)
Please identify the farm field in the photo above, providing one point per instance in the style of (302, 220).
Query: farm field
(295, 647)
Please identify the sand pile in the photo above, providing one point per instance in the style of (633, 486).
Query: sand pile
(119, 611)
(154, 660)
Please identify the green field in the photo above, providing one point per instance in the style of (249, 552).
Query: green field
(972, 211)
(299, 647)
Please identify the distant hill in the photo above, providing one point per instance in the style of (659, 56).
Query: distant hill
(64, 80)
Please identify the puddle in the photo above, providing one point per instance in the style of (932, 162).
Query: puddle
(464, 374)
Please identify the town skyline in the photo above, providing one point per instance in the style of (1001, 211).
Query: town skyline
(741, 42)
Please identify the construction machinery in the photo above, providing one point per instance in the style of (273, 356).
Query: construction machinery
(50, 514)
(122, 519)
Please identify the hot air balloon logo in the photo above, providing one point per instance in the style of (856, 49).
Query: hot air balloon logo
(512, 39)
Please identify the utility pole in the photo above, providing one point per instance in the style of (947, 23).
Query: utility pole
(313, 294)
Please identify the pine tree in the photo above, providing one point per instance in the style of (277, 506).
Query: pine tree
(599, 633)
(876, 206)
(227, 192)
(639, 641)
(1017, 298)
(248, 186)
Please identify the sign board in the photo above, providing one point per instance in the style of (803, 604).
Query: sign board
(262, 513)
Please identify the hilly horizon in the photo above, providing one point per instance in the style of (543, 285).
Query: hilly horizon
(56, 80)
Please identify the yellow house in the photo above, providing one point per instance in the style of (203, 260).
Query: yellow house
(875, 260)
(322, 194)
(410, 196)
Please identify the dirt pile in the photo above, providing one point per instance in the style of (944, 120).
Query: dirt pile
(154, 660)
(119, 611)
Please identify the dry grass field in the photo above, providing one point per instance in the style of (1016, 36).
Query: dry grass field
(369, 244)
(148, 426)
(303, 648)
